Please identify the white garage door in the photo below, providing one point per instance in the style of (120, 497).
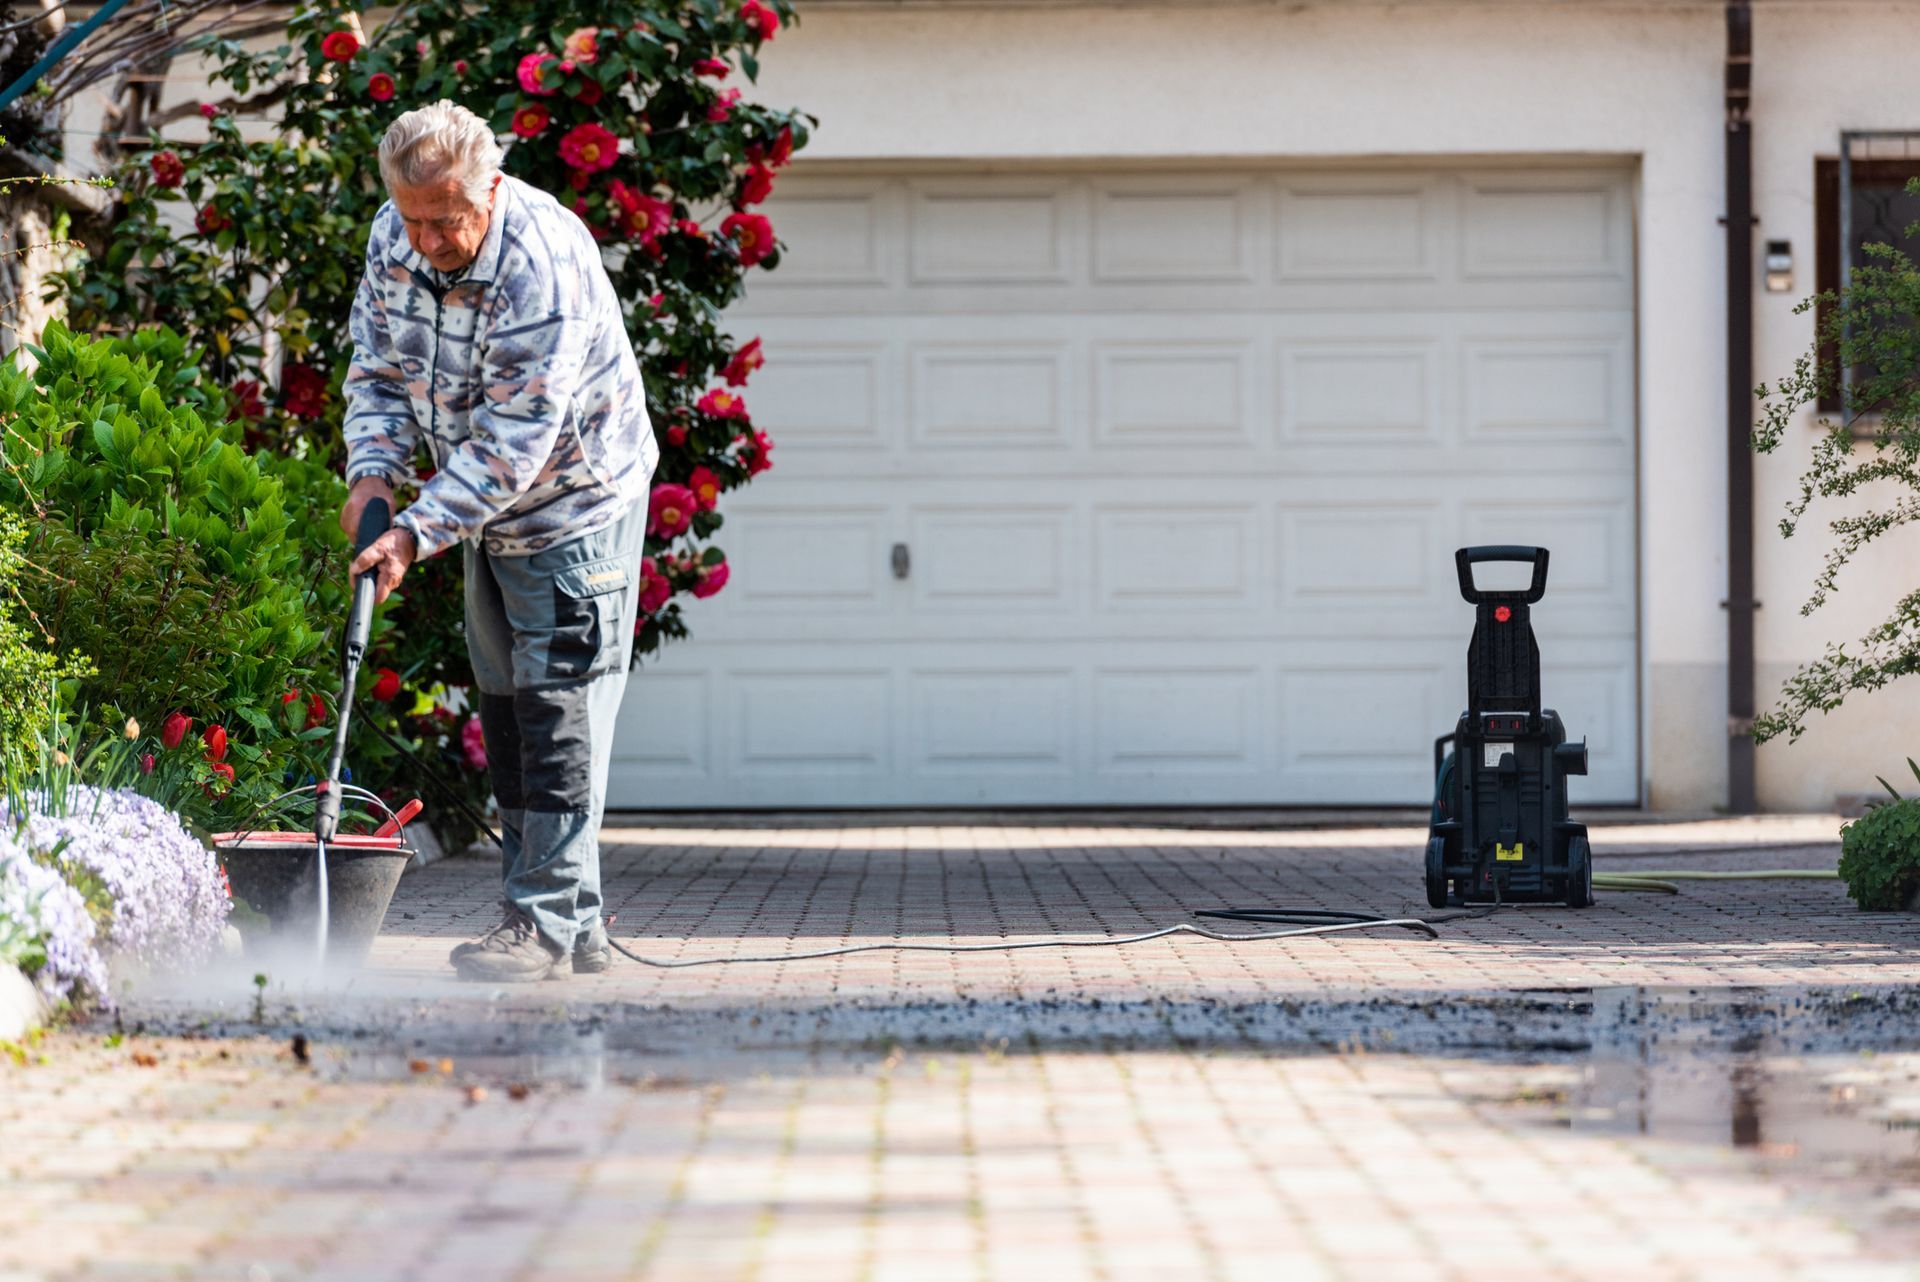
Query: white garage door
(1174, 464)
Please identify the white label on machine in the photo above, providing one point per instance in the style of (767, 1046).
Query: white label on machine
(1495, 751)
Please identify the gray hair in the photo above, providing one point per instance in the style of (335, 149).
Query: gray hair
(431, 144)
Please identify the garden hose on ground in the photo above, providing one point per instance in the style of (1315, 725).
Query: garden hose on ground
(1662, 881)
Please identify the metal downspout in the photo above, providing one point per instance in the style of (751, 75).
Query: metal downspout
(1739, 221)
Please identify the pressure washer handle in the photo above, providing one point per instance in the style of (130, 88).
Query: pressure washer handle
(1466, 558)
(374, 521)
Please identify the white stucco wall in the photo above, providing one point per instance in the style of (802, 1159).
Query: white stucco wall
(1347, 78)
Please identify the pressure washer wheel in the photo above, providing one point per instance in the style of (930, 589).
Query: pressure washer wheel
(1437, 872)
(1579, 874)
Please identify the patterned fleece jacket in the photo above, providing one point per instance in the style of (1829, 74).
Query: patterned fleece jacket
(517, 375)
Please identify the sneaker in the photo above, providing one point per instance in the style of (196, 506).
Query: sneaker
(507, 915)
(591, 954)
(514, 953)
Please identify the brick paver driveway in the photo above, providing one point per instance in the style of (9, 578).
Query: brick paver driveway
(1713, 1085)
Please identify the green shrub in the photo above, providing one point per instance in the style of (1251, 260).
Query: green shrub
(30, 673)
(166, 552)
(1880, 853)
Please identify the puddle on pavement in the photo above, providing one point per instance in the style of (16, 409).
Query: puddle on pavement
(1815, 1081)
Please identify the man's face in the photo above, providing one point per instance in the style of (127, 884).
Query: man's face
(442, 225)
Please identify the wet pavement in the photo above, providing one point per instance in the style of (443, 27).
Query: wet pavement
(1720, 1084)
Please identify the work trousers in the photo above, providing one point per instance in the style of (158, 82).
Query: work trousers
(550, 636)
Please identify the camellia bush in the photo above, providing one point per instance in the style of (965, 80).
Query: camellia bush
(628, 112)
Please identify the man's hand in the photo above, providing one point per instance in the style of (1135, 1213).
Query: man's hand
(388, 557)
(364, 490)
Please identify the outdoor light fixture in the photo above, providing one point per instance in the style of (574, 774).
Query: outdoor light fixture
(1779, 266)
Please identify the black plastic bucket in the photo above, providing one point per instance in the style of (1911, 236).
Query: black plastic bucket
(276, 877)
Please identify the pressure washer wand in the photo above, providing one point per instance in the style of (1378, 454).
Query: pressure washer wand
(374, 520)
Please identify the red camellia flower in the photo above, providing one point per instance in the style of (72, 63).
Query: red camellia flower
(340, 46)
(764, 21)
(722, 107)
(529, 71)
(473, 744)
(304, 389)
(208, 110)
(712, 579)
(210, 220)
(578, 179)
(459, 66)
(386, 687)
(676, 435)
(168, 169)
(641, 216)
(590, 147)
(754, 450)
(531, 119)
(752, 233)
(380, 86)
(590, 93)
(654, 588)
(722, 405)
(174, 729)
(688, 227)
(706, 488)
(715, 67)
(776, 155)
(215, 739)
(743, 362)
(316, 711)
(670, 511)
(755, 186)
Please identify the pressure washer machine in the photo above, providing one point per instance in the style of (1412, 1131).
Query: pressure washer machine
(1500, 831)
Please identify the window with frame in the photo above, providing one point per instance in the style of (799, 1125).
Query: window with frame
(1879, 211)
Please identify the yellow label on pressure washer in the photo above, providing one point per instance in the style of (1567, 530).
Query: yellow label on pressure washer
(1510, 854)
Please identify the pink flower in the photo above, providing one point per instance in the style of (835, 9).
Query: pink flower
(764, 21)
(473, 744)
(657, 302)
(654, 588)
(583, 45)
(529, 70)
(641, 216)
(706, 488)
(670, 511)
(752, 233)
(722, 107)
(531, 119)
(712, 579)
(168, 168)
(340, 46)
(420, 47)
(208, 110)
(755, 186)
(688, 227)
(590, 93)
(677, 435)
(380, 86)
(715, 67)
(459, 66)
(146, 763)
(748, 359)
(722, 405)
(589, 147)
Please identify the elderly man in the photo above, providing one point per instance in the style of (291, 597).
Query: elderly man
(486, 328)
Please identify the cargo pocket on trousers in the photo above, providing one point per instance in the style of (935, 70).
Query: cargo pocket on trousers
(587, 601)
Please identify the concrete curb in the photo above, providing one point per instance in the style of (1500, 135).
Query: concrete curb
(21, 1009)
(426, 847)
